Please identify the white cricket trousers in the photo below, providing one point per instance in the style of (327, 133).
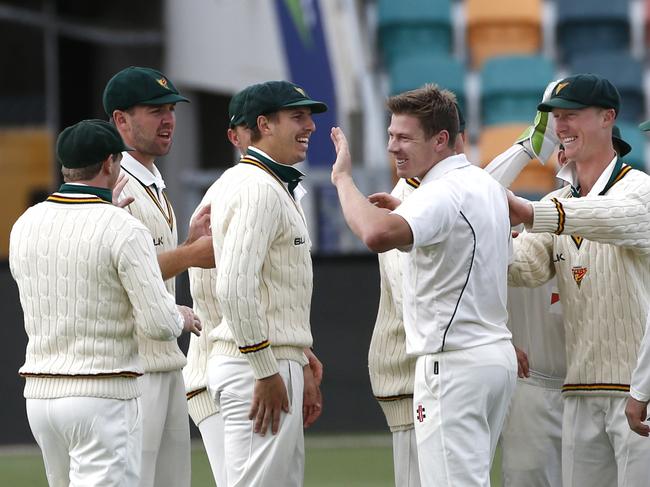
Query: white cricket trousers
(531, 440)
(405, 458)
(88, 440)
(252, 460)
(211, 429)
(166, 455)
(598, 447)
(460, 402)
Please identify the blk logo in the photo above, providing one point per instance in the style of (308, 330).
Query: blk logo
(420, 413)
(558, 257)
(157, 241)
(298, 241)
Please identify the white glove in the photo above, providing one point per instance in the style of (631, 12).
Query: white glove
(539, 139)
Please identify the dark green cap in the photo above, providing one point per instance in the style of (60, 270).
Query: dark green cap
(271, 96)
(236, 108)
(88, 142)
(582, 91)
(139, 86)
(622, 147)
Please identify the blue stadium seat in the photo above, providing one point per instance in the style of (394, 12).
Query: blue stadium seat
(625, 72)
(410, 72)
(592, 26)
(408, 26)
(511, 88)
(637, 140)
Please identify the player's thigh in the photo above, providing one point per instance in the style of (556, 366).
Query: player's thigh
(632, 451)
(53, 446)
(587, 453)
(405, 458)
(104, 436)
(211, 429)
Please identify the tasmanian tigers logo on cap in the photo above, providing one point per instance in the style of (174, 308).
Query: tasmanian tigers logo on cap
(560, 87)
(162, 82)
(300, 90)
(578, 274)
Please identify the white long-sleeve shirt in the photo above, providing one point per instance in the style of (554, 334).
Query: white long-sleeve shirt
(88, 279)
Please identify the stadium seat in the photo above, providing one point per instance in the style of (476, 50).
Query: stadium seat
(408, 73)
(637, 140)
(410, 26)
(625, 72)
(503, 27)
(26, 166)
(585, 26)
(536, 179)
(511, 88)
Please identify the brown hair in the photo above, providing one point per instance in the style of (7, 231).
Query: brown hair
(435, 108)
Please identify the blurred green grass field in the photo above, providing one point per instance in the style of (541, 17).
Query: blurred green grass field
(331, 461)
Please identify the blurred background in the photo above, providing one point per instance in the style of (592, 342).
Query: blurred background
(496, 55)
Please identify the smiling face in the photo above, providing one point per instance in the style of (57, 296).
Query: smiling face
(414, 154)
(149, 129)
(285, 134)
(585, 133)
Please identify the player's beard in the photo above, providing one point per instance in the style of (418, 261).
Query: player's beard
(150, 145)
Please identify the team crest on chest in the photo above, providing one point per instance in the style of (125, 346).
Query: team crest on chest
(579, 274)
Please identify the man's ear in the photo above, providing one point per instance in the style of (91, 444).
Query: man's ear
(264, 125)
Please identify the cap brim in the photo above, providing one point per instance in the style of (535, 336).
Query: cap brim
(316, 106)
(549, 105)
(162, 100)
(624, 147)
(645, 126)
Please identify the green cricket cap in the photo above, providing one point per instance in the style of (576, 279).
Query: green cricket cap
(622, 147)
(236, 108)
(88, 142)
(139, 86)
(582, 91)
(271, 96)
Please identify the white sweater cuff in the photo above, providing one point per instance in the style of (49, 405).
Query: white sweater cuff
(201, 406)
(262, 362)
(547, 217)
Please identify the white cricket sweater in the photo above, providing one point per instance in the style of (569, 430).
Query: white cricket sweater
(264, 270)
(392, 372)
(88, 278)
(203, 284)
(599, 249)
(161, 222)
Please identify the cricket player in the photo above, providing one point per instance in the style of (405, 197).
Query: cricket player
(455, 235)
(593, 236)
(141, 104)
(263, 287)
(88, 279)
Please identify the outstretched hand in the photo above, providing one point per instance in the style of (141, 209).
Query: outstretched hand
(343, 163)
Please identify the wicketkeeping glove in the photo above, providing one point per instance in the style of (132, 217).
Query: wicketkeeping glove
(539, 139)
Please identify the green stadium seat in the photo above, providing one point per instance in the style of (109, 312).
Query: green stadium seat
(585, 26)
(625, 72)
(637, 140)
(408, 73)
(408, 26)
(511, 88)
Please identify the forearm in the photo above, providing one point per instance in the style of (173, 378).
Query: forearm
(613, 220)
(640, 384)
(173, 262)
(506, 166)
(532, 265)
(376, 227)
